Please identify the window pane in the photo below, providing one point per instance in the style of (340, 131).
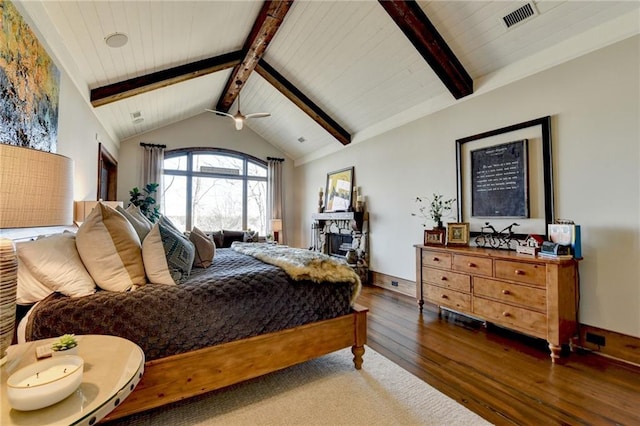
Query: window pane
(207, 163)
(174, 196)
(176, 163)
(256, 169)
(217, 203)
(257, 206)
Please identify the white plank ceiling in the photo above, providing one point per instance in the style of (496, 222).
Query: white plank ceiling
(348, 57)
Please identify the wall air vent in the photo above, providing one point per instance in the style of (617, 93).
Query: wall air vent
(521, 14)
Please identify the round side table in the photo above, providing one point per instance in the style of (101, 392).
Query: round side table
(113, 366)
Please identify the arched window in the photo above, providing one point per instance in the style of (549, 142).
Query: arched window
(214, 189)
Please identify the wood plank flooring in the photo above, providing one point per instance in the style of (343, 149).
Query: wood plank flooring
(505, 377)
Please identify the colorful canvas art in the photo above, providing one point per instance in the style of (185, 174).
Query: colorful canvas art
(29, 85)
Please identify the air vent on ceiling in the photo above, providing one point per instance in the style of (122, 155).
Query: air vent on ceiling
(136, 117)
(519, 15)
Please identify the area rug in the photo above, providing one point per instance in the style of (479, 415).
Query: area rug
(324, 391)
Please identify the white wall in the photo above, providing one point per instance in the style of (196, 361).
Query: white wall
(204, 130)
(77, 130)
(594, 103)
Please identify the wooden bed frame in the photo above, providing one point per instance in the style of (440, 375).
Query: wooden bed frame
(182, 376)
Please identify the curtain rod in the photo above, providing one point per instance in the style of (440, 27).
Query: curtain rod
(152, 145)
(274, 159)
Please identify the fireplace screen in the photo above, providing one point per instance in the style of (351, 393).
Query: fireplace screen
(339, 244)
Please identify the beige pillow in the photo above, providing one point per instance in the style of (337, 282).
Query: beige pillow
(140, 223)
(55, 263)
(110, 249)
(168, 255)
(30, 290)
(205, 248)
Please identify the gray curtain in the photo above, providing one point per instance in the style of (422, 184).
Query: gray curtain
(152, 163)
(274, 195)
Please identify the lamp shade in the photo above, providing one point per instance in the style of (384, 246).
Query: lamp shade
(36, 188)
(276, 225)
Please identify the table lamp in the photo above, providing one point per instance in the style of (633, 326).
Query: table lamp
(276, 227)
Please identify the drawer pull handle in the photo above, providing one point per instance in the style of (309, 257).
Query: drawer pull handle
(519, 272)
(471, 265)
(443, 278)
(444, 296)
(435, 259)
(506, 314)
(506, 292)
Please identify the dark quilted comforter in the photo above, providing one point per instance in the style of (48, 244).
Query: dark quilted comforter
(237, 297)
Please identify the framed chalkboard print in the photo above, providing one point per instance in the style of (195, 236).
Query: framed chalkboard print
(505, 175)
(499, 181)
(339, 190)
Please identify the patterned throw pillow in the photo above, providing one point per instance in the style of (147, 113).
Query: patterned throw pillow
(110, 249)
(205, 248)
(168, 255)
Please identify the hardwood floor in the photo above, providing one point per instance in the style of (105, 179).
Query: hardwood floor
(505, 377)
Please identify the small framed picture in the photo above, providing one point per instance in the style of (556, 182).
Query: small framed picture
(434, 237)
(458, 234)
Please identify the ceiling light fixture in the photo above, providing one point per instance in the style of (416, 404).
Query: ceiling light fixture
(239, 117)
(116, 40)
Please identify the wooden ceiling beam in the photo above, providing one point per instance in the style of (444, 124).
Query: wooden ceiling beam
(146, 83)
(414, 23)
(285, 87)
(264, 29)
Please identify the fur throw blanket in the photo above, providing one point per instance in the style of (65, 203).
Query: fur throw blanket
(301, 264)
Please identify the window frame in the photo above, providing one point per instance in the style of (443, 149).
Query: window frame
(189, 174)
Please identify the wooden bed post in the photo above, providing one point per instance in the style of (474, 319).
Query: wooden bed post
(360, 328)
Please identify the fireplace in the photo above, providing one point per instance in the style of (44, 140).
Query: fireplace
(338, 233)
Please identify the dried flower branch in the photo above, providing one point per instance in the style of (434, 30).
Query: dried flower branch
(435, 209)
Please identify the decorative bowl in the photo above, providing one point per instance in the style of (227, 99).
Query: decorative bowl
(44, 383)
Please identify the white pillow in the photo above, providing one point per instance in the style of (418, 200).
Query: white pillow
(140, 223)
(110, 249)
(54, 262)
(30, 290)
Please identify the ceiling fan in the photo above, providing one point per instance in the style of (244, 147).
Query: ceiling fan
(238, 117)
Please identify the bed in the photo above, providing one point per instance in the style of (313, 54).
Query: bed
(240, 318)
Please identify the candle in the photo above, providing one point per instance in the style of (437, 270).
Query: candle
(320, 190)
(48, 375)
(360, 199)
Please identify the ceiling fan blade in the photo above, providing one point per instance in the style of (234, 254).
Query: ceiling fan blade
(220, 113)
(257, 115)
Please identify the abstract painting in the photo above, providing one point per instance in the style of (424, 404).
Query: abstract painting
(29, 85)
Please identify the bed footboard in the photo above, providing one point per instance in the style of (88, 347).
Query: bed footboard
(181, 376)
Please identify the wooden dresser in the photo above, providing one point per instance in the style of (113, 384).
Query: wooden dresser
(531, 295)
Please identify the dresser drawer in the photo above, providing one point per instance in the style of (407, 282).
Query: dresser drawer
(447, 279)
(528, 297)
(448, 298)
(530, 273)
(527, 321)
(473, 265)
(437, 259)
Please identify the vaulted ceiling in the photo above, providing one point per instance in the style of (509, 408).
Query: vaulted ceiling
(329, 72)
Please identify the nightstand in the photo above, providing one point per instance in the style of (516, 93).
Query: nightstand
(113, 367)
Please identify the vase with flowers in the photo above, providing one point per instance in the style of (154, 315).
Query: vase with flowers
(434, 209)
